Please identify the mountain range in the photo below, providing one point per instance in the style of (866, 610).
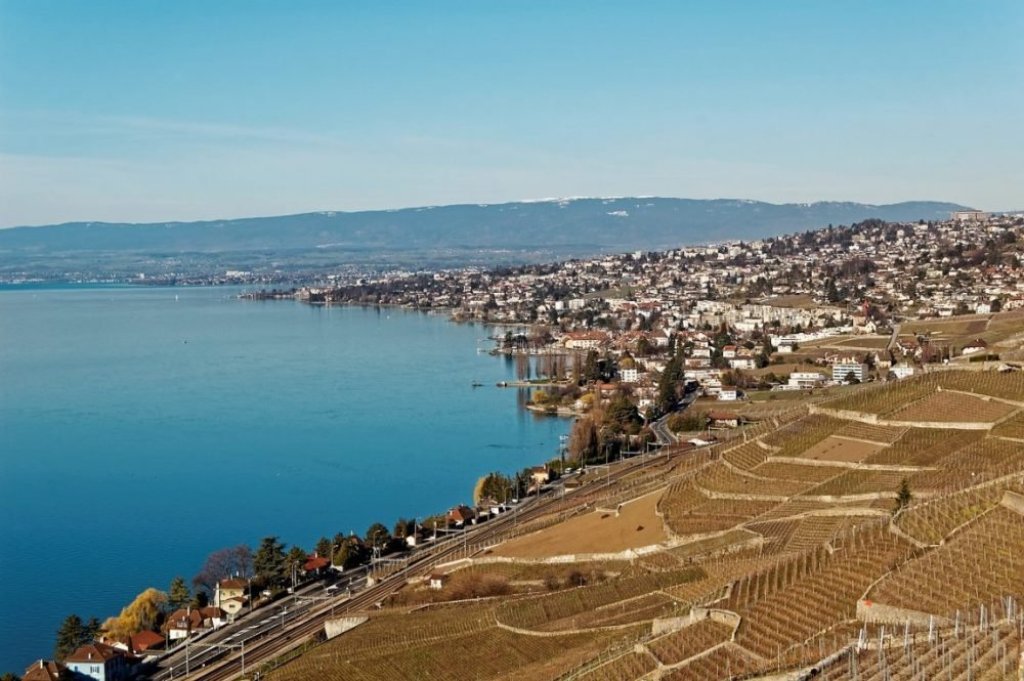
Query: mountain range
(583, 225)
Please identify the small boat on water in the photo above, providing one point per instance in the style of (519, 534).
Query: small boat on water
(477, 384)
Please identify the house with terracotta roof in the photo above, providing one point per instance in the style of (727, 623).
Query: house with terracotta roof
(185, 621)
(316, 565)
(977, 345)
(460, 515)
(230, 595)
(99, 661)
(723, 419)
(585, 340)
(146, 641)
(46, 670)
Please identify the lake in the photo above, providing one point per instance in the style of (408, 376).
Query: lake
(143, 428)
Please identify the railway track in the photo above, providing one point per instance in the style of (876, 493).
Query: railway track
(226, 665)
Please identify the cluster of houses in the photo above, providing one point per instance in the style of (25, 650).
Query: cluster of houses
(100, 660)
(771, 295)
(964, 264)
(108, 659)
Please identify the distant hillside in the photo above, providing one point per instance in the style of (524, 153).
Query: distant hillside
(567, 224)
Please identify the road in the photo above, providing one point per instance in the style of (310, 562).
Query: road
(272, 631)
(894, 337)
(660, 427)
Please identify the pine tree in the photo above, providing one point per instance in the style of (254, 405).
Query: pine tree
(72, 633)
(903, 496)
(269, 561)
(178, 595)
(92, 628)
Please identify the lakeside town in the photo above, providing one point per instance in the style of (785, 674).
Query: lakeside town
(836, 305)
(644, 349)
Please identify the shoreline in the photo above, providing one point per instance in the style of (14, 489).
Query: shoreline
(510, 454)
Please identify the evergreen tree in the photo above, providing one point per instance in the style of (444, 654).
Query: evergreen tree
(269, 561)
(323, 547)
(72, 633)
(8, 676)
(92, 628)
(591, 371)
(668, 384)
(378, 536)
(178, 594)
(404, 528)
(295, 560)
(350, 553)
(903, 496)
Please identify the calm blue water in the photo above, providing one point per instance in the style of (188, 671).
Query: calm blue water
(141, 429)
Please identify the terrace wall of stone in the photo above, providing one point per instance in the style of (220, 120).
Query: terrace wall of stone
(1013, 501)
(877, 613)
(875, 420)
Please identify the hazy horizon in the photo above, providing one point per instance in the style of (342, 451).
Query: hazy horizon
(553, 199)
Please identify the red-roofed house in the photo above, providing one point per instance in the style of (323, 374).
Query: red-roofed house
(460, 515)
(46, 670)
(974, 346)
(98, 661)
(184, 621)
(146, 641)
(723, 419)
(316, 565)
(585, 340)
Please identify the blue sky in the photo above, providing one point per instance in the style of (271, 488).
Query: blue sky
(144, 111)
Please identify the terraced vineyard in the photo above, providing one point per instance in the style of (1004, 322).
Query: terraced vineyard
(883, 435)
(781, 549)
(932, 521)
(802, 435)
(925, 446)
(686, 643)
(987, 557)
(950, 406)
(1012, 428)
(628, 666)
(566, 609)
(989, 653)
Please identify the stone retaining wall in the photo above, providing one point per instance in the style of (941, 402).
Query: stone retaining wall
(878, 613)
(873, 419)
(339, 626)
(1013, 501)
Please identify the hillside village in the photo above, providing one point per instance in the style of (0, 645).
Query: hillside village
(843, 304)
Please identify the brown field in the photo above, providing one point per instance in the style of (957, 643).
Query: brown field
(839, 449)
(954, 326)
(824, 342)
(597, 532)
(947, 407)
(865, 342)
(801, 300)
(777, 369)
(795, 471)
